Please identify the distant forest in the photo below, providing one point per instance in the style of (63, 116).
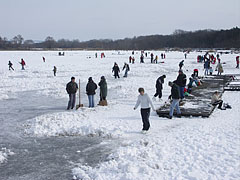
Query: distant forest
(179, 39)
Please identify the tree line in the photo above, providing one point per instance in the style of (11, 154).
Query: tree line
(179, 39)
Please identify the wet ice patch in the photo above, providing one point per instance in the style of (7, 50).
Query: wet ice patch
(4, 153)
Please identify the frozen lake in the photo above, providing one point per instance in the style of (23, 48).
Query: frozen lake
(42, 157)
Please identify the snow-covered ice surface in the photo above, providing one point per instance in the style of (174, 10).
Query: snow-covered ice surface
(186, 148)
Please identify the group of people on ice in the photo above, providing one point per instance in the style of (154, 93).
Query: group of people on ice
(91, 87)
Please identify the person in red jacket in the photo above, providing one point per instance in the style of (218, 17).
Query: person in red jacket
(23, 64)
(237, 61)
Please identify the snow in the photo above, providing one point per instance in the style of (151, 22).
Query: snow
(186, 148)
(4, 153)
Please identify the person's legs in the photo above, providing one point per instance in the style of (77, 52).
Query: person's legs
(181, 92)
(220, 102)
(70, 101)
(177, 107)
(73, 100)
(92, 100)
(172, 108)
(160, 94)
(145, 113)
(89, 101)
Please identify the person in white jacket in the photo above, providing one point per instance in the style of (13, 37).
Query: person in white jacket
(145, 102)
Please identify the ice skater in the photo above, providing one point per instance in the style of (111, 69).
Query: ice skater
(144, 100)
(72, 88)
(10, 65)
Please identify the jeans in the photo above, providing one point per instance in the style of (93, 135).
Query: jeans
(145, 113)
(175, 103)
(91, 100)
(72, 100)
(126, 73)
(206, 71)
(181, 90)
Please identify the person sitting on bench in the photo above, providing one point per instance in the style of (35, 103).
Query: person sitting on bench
(216, 100)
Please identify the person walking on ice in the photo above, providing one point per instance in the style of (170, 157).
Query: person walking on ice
(127, 68)
(144, 100)
(159, 87)
(90, 89)
(54, 70)
(23, 64)
(72, 88)
(116, 70)
(175, 96)
(10, 65)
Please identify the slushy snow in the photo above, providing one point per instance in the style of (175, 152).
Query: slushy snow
(186, 148)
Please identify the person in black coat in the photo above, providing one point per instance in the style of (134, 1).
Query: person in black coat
(10, 65)
(159, 86)
(72, 88)
(90, 89)
(116, 70)
(181, 82)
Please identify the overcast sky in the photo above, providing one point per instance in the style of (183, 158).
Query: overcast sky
(113, 19)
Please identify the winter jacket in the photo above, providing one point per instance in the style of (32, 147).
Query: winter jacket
(175, 92)
(115, 69)
(91, 87)
(159, 83)
(72, 87)
(10, 64)
(215, 98)
(126, 66)
(181, 64)
(103, 88)
(181, 80)
(144, 100)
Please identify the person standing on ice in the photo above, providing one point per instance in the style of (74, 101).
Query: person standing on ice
(116, 70)
(181, 82)
(23, 64)
(156, 59)
(219, 68)
(159, 87)
(54, 70)
(72, 88)
(181, 64)
(206, 67)
(175, 99)
(152, 56)
(144, 100)
(142, 59)
(130, 59)
(90, 89)
(103, 91)
(10, 65)
(44, 60)
(127, 68)
(237, 61)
